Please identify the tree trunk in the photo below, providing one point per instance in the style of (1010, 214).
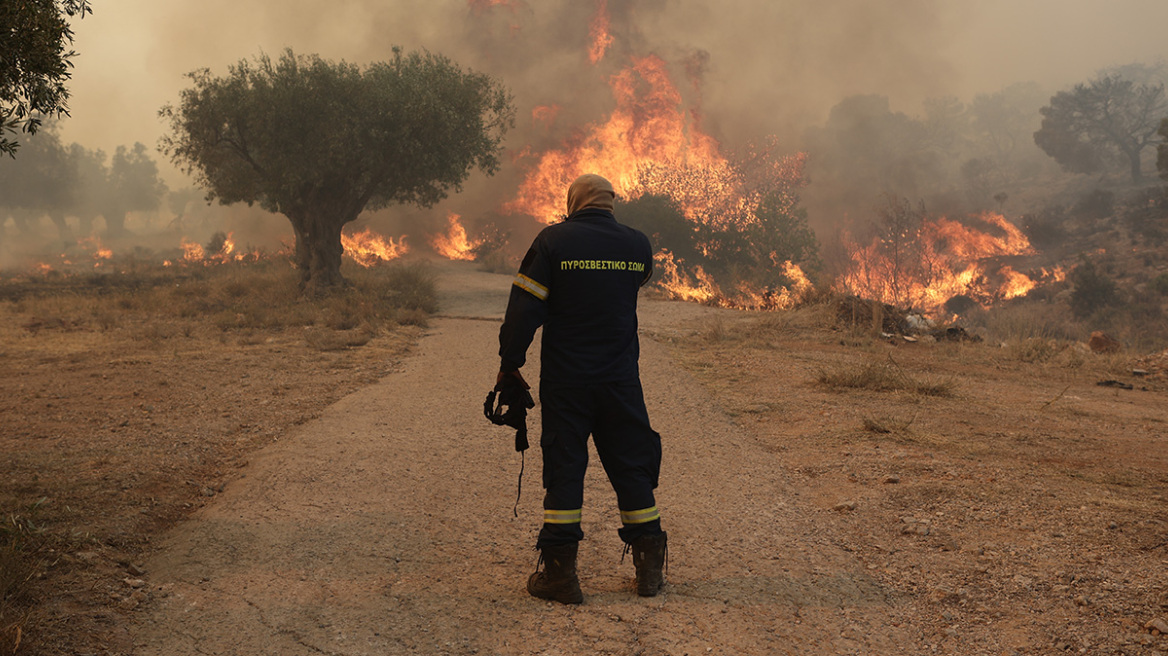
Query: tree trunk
(1136, 173)
(58, 219)
(318, 251)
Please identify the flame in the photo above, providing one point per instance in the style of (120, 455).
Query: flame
(651, 144)
(699, 287)
(455, 245)
(945, 258)
(44, 268)
(93, 245)
(648, 130)
(368, 248)
(192, 251)
(598, 30)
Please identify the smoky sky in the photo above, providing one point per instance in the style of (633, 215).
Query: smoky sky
(766, 66)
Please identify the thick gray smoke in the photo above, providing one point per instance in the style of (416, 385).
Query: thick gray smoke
(765, 67)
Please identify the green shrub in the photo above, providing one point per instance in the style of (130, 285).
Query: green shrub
(1093, 290)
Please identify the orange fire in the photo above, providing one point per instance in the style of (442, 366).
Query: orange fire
(598, 30)
(192, 251)
(652, 144)
(455, 245)
(368, 248)
(649, 129)
(944, 259)
(700, 287)
(94, 246)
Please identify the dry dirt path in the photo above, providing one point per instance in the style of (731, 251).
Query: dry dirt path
(385, 527)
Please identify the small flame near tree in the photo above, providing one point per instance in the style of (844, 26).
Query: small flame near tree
(455, 244)
(368, 248)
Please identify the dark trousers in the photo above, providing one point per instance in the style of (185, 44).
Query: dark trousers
(630, 451)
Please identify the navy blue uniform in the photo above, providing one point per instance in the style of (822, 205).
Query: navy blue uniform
(579, 280)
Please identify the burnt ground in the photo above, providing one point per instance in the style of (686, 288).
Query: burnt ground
(979, 501)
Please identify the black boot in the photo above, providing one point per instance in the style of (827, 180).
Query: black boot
(649, 557)
(557, 581)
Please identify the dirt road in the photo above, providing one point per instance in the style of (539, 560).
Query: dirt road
(385, 527)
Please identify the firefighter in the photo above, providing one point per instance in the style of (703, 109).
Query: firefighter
(579, 280)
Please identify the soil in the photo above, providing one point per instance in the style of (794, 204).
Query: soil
(1016, 507)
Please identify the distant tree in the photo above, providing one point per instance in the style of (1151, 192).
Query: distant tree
(865, 149)
(1162, 150)
(41, 183)
(1108, 118)
(87, 200)
(133, 186)
(1002, 149)
(320, 142)
(34, 63)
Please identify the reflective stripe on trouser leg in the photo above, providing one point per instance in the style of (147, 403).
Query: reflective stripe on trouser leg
(562, 516)
(641, 516)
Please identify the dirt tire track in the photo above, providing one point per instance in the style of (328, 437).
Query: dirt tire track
(385, 527)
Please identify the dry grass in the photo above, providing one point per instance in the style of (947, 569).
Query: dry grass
(883, 377)
(159, 335)
(228, 298)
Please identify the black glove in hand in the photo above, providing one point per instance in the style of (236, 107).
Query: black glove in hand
(511, 393)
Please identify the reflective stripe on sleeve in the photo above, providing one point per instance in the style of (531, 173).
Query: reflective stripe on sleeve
(640, 516)
(530, 286)
(562, 516)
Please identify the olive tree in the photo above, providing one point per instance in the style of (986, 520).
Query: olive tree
(320, 142)
(1108, 118)
(34, 63)
(132, 185)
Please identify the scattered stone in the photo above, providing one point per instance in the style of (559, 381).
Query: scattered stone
(86, 556)
(1082, 600)
(1139, 372)
(890, 480)
(1115, 383)
(845, 506)
(913, 526)
(1112, 526)
(1158, 626)
(134, 600)
(135, 569)
(944, 595)
(134, 583)
(208, 492)
(1101, 342)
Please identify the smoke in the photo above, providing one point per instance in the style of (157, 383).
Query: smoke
(749, 69)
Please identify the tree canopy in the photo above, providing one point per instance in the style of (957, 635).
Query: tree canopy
(34, 63)
(1111, 118)
(320, 141)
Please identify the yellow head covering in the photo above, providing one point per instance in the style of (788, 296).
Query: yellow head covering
(590, 190)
